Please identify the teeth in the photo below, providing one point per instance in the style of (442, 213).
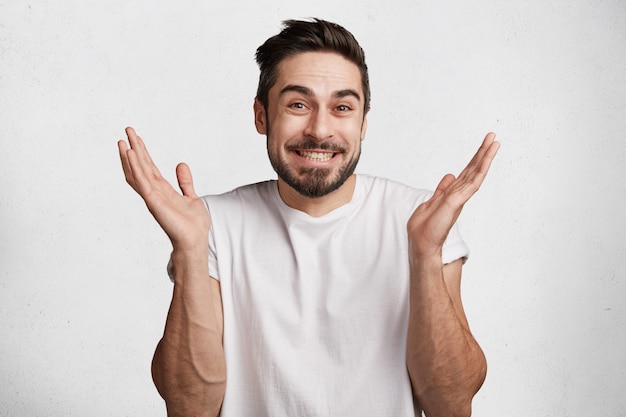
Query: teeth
(316, 156)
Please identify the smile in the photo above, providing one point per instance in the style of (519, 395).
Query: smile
(316, 156)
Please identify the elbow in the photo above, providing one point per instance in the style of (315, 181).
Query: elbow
(464, 410)
(460, 408)
(197, 394)
(192, 398)
(483, 373)
(451, 394)
(480, 371)
(170, 383)
(474, 379)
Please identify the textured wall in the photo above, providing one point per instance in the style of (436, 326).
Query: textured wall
(83, 291)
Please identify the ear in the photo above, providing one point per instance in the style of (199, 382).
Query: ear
(260, 118)
(364, 127)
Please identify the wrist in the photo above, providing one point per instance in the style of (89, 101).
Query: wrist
(190, 252)
(425, 255)
(426, 262)
(186, 264)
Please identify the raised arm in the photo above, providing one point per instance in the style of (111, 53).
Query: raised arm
(445, 363)
(188, 368)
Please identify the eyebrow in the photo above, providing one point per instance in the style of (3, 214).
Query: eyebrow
(309, 93)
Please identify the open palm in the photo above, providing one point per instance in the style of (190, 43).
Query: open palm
(183, 217)
(431, 222)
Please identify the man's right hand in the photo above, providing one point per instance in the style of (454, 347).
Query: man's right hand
(184, 217)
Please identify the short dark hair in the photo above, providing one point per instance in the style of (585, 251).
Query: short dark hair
(298, 36)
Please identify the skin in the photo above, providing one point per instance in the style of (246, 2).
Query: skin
(445, 363)
(315, 105)
(317, 101)
(188, 368)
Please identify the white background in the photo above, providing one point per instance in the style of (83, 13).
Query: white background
(83, 290)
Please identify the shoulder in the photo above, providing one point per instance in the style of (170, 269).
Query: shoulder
(393, 192)
(249, 192)
(238, 200)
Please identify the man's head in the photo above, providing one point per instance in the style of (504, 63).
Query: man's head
(312, 105)
(300, 36)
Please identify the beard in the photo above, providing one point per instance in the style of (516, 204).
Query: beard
(313, 182)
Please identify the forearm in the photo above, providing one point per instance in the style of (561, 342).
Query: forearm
(446, 365)
(188, 366)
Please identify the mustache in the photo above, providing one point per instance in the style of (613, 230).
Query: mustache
(311, 145)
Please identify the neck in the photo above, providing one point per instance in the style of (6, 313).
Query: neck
(317, 207)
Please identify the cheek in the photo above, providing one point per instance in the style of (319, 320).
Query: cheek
(285, 128)
(355, 131)
(289, 123)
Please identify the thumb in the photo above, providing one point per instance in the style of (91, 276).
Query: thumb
(185, 181)
(444, 184)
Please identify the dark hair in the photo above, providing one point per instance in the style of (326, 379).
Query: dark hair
(299, 36)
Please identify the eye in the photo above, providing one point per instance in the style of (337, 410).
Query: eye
(297, 106)
(343, 108)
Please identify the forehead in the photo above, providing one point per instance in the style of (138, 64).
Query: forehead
(322, 72)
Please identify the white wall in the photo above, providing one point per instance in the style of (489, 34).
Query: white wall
(83, 293)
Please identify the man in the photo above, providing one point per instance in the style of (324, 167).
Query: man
(323, 293)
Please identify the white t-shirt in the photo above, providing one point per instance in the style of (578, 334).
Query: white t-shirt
(316, 309)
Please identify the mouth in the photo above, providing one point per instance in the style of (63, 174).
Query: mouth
(316, 156)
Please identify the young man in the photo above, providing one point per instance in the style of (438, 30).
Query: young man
(340, 295)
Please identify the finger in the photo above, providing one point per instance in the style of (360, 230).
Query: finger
(482, 149)
(185, 180)
(123, 148)
(487, 141)
(491, 153)
(443, 185)
(471, 179)
(477, 160)
(140, 181)
(489, 138)
(485, 162)
(143, 156)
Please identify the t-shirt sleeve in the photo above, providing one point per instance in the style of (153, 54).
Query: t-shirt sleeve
(213, 272)
(170, 269)
(212, 260)
(454, 247)
(213, 269)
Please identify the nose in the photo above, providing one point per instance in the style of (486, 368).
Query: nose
(319, 125)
